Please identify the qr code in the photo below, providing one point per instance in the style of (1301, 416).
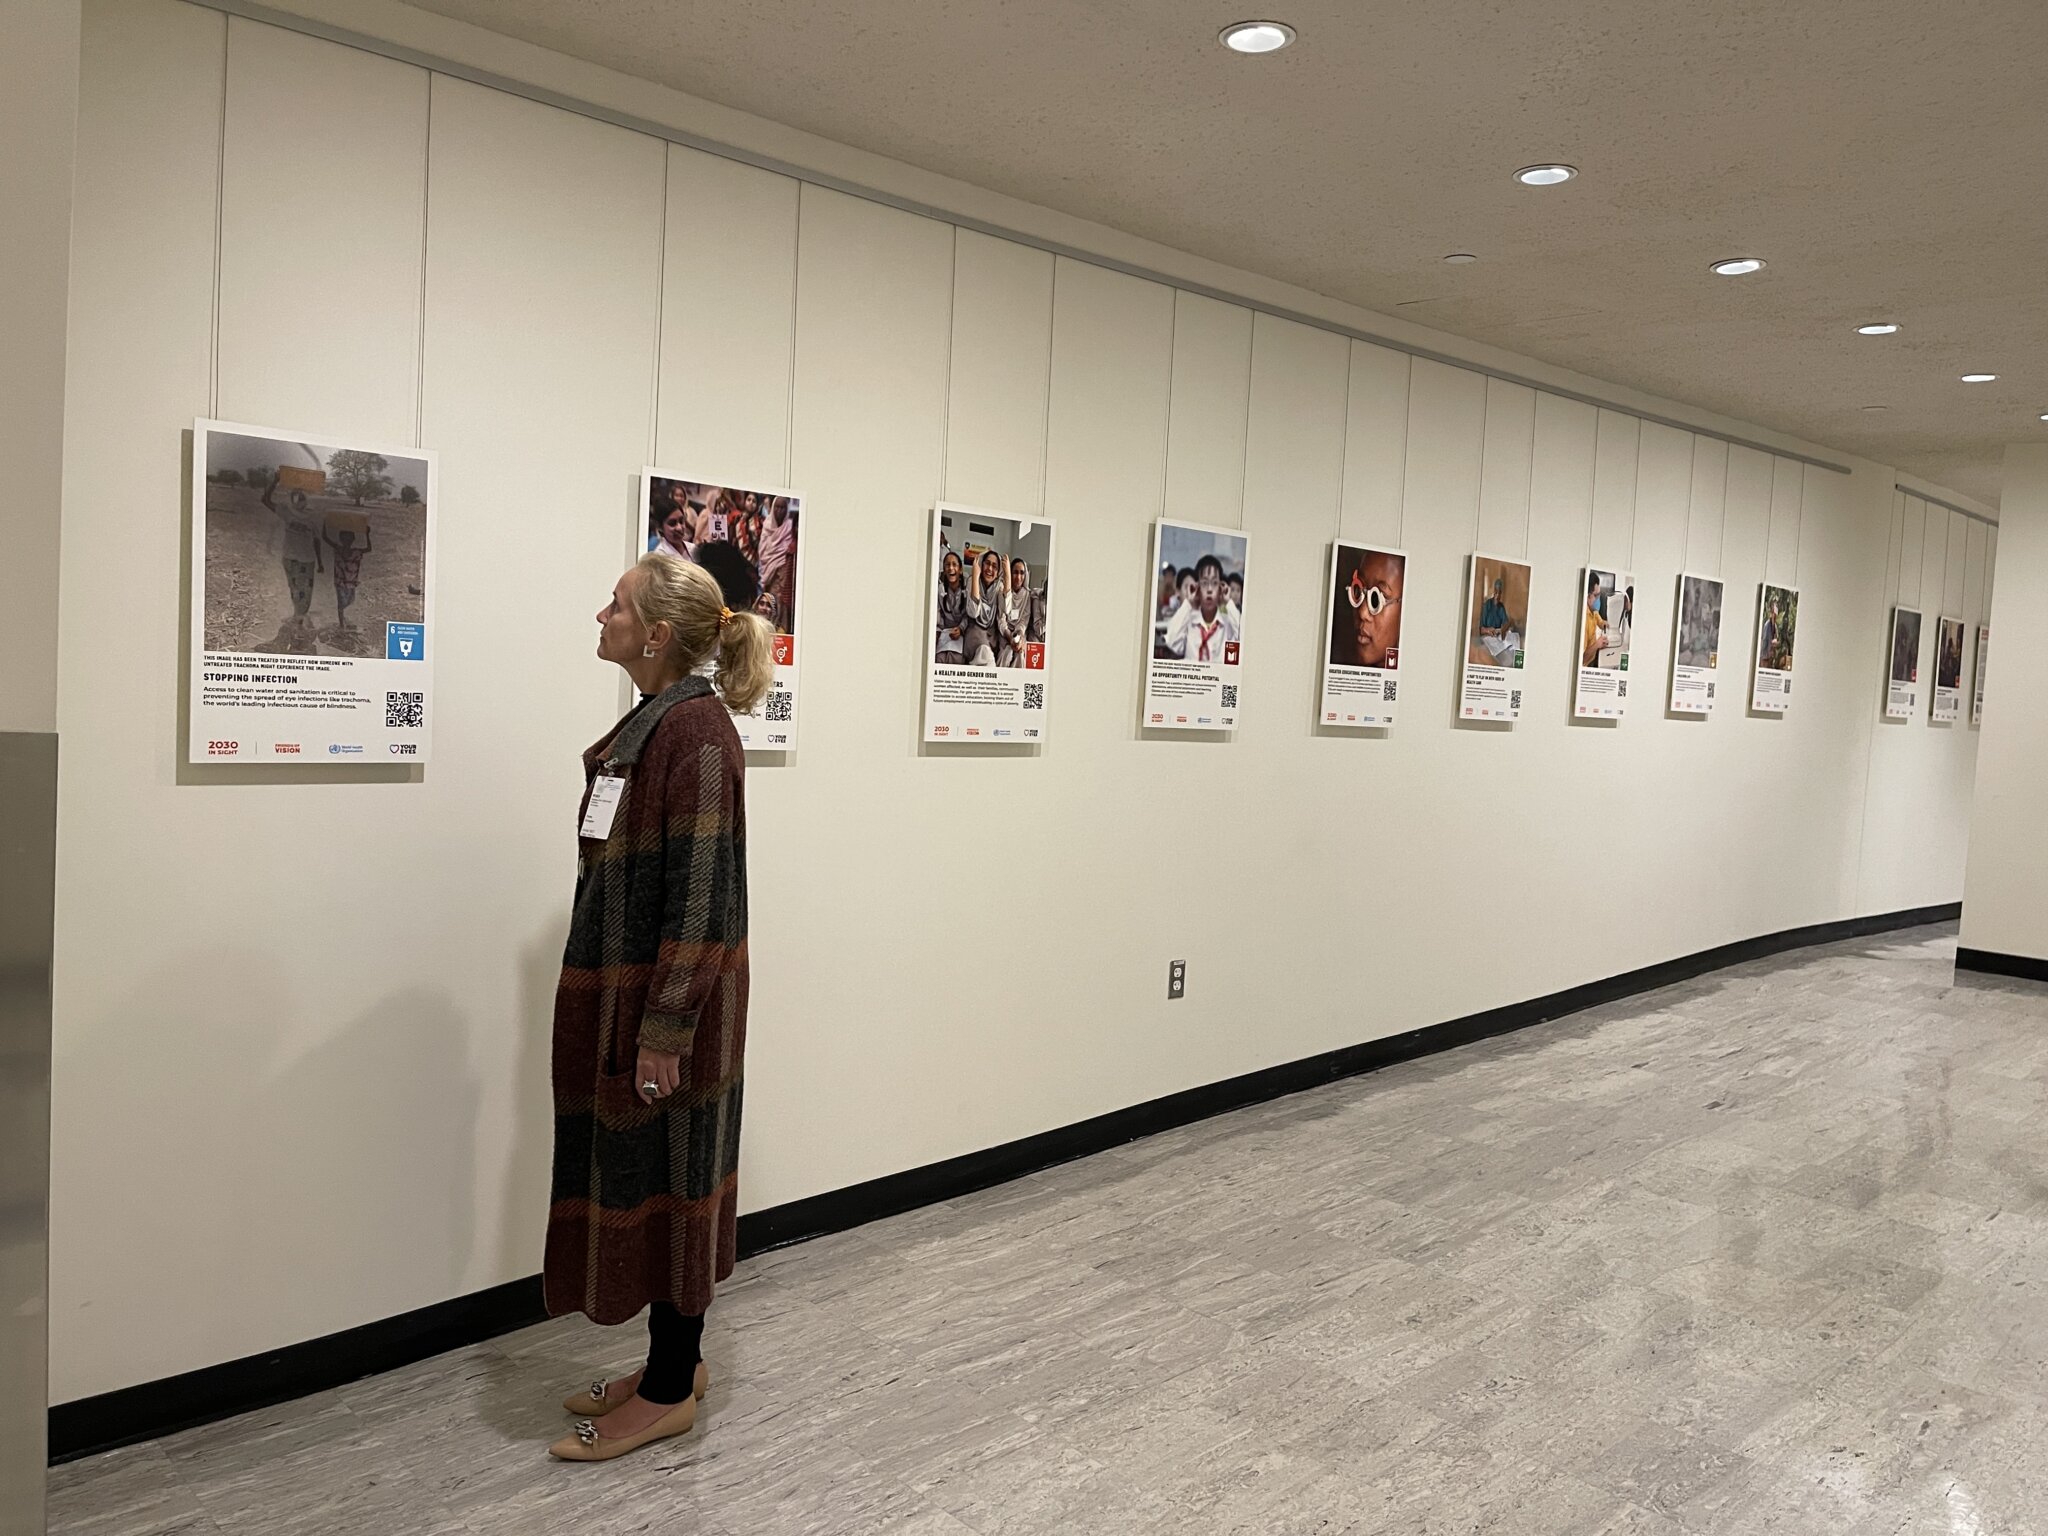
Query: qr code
(1621, 689)
(1515, 701)
(404, 711)
(781, 707)
(1710, 690)
(1230, 695)
(1034, 695)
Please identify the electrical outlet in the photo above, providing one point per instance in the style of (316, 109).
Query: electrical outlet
(1176, 979)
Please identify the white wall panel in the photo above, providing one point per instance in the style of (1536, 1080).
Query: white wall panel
(1212, 369)
(323, 213)
(874, 302)
(1000, 378)
(1375, 444)
(143, 1041)
(728, 312)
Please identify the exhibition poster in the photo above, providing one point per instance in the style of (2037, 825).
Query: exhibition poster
(1977, 677)
(1696, 658)
(1607, 621)
(747, 537)
(1496, 627)
(989, 658)
(1902, 693)
(312, 612)
(1777, 628)
(1197, 603)
(1948, 669)
(1362, 661)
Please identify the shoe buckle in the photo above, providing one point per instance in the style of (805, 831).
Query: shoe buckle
(586, 1431)
(597, 1389)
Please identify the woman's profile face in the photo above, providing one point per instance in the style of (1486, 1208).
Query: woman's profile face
(620, 635)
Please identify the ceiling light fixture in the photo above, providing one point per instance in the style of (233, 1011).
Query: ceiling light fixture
(1738, 266)
(1875, 407)
(1876, 328)
(1545, 175)
(1256, 36)
(1461, 258)
(1979, 378)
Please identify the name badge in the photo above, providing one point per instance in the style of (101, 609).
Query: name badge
(605, 794)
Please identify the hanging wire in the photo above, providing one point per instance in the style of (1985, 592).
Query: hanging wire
(796, 279)
(1479, 495)
(1344, 444)
(946, 402)
(1052, 320)
(1407, 434)
(419, 351)
(660, 314)
(1251, 365)
(220, 197)
(1166, 450)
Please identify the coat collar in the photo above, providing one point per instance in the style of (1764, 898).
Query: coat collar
(630, 740)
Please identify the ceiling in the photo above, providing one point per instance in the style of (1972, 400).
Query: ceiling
(1889, 158)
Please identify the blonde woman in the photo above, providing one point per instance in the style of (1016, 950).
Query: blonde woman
(650, 1017)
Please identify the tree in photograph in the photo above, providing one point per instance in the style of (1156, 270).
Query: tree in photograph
(228, 477)
(259, 474)
(359, 475)
(408, 497)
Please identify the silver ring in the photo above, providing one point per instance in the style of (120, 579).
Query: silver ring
(653, 1088)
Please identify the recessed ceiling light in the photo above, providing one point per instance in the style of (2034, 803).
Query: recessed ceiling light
(1876, 328)
(2044, 415)
(1461, 258)
(1738, 266)
(1545, 175)
(1979, 378)
(1257, 36)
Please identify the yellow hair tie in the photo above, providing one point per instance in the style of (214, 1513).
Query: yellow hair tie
(724, 617)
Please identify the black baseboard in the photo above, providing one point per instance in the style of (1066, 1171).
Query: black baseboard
(1991, 963)
(155, 1408)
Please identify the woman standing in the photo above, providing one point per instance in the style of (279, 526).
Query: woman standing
(650, 1017)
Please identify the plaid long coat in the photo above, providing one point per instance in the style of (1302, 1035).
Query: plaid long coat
(645, 1197)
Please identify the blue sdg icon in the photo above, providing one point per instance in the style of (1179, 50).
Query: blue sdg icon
(405, 642)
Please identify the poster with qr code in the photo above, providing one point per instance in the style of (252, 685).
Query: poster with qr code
(1977, 674)
(750, 538)
(1195, 600)
(1948, 671)
(1362, 631)
(1696, 652)
(988, 627)
(1607, 622)
(1777, 637)
(1496, 639)
(312, 634)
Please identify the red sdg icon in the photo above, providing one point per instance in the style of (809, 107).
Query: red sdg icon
(1034, 656)
(1230, 653)
(785, 650)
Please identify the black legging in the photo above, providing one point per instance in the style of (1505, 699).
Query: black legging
(674, 1347)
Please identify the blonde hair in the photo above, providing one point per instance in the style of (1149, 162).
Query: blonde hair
(687, 598)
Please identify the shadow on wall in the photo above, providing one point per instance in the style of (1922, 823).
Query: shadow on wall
(528, 1178)
(384, 1107)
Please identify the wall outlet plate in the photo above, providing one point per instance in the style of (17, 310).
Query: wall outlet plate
(1176, 979)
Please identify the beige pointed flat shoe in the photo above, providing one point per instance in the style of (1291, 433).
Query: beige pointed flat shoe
(586, 1444)
(603, 1396)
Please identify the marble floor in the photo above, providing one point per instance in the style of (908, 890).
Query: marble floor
(1767, 1251)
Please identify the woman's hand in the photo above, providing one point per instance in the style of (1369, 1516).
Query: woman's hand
(664, 1069)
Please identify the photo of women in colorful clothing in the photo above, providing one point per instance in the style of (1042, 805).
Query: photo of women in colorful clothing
(281, 516)
(747, 539)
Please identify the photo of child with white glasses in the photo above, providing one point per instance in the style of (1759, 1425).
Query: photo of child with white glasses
(1365, 607)
(1361, 665)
